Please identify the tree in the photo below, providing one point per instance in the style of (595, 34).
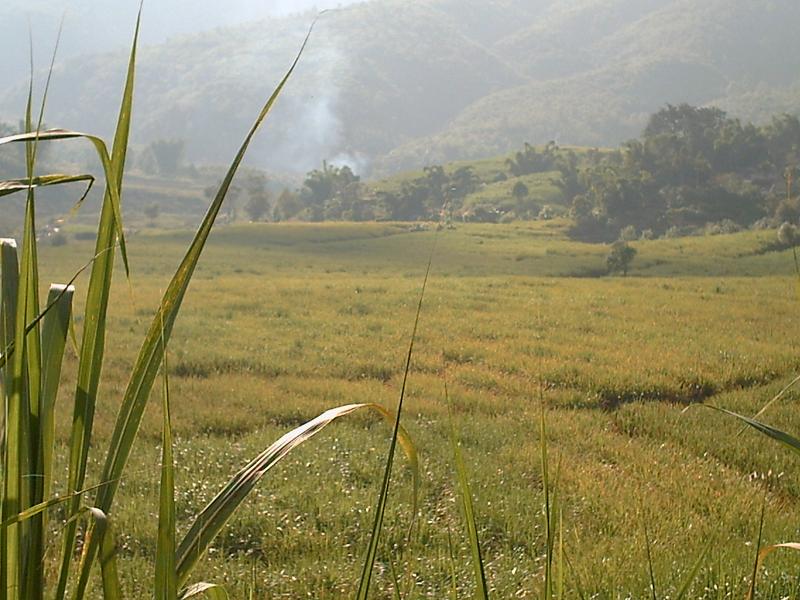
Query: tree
(620, 257)
(322, 186)
(698, 126)
(783, 139)
(234, 191)
(286, 206)
(529, 160)
(463, 182)
(168, 156)
(257, 205)
(520, 191)
(254, 182)
(258, 196)
(787, 235)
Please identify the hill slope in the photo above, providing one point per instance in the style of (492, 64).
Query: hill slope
(389, 85)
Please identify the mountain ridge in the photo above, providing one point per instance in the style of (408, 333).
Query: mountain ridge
(389, 85)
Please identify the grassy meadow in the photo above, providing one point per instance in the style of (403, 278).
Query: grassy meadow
(284, 321)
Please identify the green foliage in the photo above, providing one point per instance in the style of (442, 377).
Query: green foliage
(620, 257)
(519, 191)
(329, 192)
(787, 235)
(164, 157)
(257, 206)
(691, 167)
(529, 160)
(286, 206)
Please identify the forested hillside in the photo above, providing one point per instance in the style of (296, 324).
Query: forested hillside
(388, 85)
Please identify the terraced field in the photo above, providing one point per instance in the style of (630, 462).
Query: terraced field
(284, 321)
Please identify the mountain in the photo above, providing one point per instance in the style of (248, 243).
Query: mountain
(95, 26)
(389, 84)
(597, 70)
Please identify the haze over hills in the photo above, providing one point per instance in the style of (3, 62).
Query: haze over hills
(388, 85)
(92, 26)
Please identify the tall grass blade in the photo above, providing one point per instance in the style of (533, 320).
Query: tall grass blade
(12, 186)
(467, 507)
(650, 570)
(9, 280)
(687, 584)
(152, 349)
(90, 362)
(54, 338)
(212, 518)
(26, 369)
(380, 509)
(548, 509)
(144, 371)
(561, 571)
(452, 554)
(101, 539)
(751, 593)
(784, 438)
(209, 590)
(9, 350)
(395, 579)
(43, 506)
(166, 583)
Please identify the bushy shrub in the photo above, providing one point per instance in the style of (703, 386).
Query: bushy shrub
(764, 223)
(723, 227)
(628, 234)
(787, 235)
(57, 239)
(620, 257)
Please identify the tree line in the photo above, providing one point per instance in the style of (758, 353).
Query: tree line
(692, 168)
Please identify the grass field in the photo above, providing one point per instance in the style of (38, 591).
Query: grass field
(284, 321)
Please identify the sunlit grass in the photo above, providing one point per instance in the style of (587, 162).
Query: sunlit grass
(327, 308)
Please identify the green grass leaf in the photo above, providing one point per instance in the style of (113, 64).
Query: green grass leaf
(380, 509)
(208, 523)
(111, 168)
(100, 539)
(12, 186)
(784, 438)
(43, 506)
(467, 508)
(209, 590)
(687, 584)
(92, 351)
(9, 281)
(166, 582)
(144, 371)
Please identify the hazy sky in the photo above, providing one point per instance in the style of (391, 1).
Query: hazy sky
(102, 25)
